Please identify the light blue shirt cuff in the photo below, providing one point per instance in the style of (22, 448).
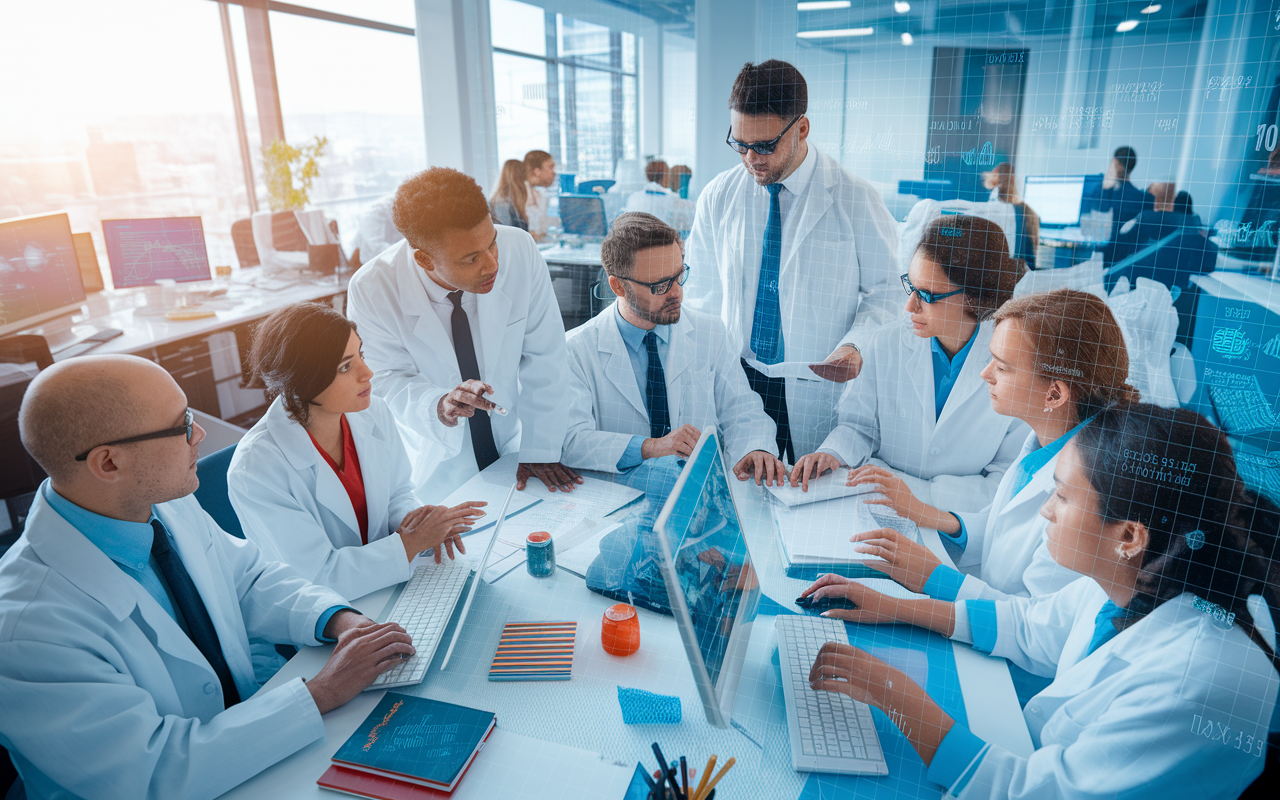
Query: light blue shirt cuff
(960, 539)
(631, 456)
(323, 622)
(944, 583)
(956, 759)
(983, 624)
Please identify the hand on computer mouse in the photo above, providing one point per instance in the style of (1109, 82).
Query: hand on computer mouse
(819, 604)
(865, 604)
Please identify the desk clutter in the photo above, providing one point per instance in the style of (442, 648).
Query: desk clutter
(534, 651)
(674, 780)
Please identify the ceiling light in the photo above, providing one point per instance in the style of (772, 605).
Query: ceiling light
(836, 33)
(1151, 9)
(901, 7)
(1126, 26)
(906, 38)
(823, 5)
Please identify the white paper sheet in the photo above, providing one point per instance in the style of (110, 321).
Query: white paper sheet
(578, 558)
(594, 499)
(492, 486)
(788, 369)
(819, 532)
(825, 487)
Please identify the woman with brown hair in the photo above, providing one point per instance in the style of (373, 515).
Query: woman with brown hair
(919, 408)
(1057, 359)
(512, 195)
(1004, 189)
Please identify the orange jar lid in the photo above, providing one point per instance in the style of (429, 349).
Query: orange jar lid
(619, 612)
(538, 537)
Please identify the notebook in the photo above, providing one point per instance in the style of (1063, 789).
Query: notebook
(415, 740)
(534, 651)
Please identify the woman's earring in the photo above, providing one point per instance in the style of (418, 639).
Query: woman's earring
(1048, 410)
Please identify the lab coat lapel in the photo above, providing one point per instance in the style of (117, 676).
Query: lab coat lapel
(1037, 488)
(813, 204)
(679, 354)
(494, 309)
(919, 373)
(617, 361)
(377, 491)
(427, 327)
(969, 381)
(301, 453)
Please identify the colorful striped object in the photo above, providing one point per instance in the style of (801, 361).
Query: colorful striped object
(534, 651)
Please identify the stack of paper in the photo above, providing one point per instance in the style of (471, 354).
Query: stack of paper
(570, 518)
(825, 487)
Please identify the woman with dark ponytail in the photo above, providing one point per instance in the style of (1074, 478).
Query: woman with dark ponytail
(1162, 657)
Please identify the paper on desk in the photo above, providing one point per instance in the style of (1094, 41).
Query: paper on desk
(492, 486)
(825, 487)
(577, 559)
(594, 499)
(819, 532)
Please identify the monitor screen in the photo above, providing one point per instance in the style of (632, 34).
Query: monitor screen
(712, 585)
(1056, 198)
(583, 215)
(39, 273)
(143, 251)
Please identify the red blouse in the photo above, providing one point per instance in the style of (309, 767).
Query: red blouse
(350, 476)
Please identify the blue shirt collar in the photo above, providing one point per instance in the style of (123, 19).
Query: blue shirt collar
(632, 336)
(954, 363)
(126, 543)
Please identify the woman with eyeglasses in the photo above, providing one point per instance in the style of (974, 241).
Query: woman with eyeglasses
(1162, 657)
(322, 481)
(920, 410)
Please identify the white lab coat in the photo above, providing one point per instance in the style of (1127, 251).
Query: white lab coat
(1008, 548)
(706, 388)
(376, 230)
(103, 693)
(664, 204)
(1129, 719)
(839, 273)
(295, 509)
(521, 345)
(953, 461)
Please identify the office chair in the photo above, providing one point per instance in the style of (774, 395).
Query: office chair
(242, 238)
(20, 475)
(213, 495)
(597, 186)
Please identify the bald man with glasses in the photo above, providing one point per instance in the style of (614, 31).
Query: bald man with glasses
(647, 378)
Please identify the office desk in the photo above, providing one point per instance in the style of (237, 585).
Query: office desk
(583, 713)
(1070, 246)
(574, 268)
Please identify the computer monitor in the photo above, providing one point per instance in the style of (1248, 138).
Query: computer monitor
(143, 251)
(583, 215)
(711, 583)
(90, 272)
(39, 273)
(1055, 198)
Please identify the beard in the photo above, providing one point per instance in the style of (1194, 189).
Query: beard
(667, 314)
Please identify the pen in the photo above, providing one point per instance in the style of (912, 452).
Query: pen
(684, 778)
(662, 764)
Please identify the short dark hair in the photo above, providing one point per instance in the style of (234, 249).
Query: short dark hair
(296, 352)
(534, 159)
(437, 200)
(656, 171)
(629, 234)
(1127, 158)
(974, 255)
(770, 87)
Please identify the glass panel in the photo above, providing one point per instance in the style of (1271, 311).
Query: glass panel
(520, 90)
(629, 51)
(584, 43)
(396, 12)
(593, 124)
(93, 128)
(630, 119)
(361, 89)
(518, 26)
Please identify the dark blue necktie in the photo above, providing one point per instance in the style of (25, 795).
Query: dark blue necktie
(464, 348)
(191, 607)
(655, 390)
(766, 330)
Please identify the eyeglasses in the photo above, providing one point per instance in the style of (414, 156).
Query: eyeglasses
(187, 428)
(763, 148)
(925, 295)
(663, 286)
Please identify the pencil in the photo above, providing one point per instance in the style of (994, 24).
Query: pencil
(706, 775)
(719, 775)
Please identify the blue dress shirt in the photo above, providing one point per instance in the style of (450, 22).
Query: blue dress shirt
(128, 544)
(946, 369)
(633, 338)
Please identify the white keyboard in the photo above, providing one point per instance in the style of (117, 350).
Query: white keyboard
(423, 609)
(830, 732)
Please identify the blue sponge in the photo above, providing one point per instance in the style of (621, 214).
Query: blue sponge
(646, 708)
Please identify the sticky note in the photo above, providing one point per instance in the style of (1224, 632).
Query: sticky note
(646, 708)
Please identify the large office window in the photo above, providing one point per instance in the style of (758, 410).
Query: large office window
(566, 86)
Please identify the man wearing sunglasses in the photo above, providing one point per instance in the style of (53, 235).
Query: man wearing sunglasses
(126, 612)
(646, 378)
(793, 253)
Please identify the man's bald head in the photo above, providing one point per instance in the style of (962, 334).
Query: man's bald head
(84, 402)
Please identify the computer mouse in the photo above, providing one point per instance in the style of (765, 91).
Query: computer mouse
(825, 604)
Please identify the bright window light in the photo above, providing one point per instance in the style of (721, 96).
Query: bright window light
(1126, 26)
(823, 5)
(906, 38)
(1151, 9)
(901, 7)
(836, 33)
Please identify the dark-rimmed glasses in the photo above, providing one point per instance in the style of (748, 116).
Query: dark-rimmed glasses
(187, 428)
(763, 148)
(925, 295)
(663, 286)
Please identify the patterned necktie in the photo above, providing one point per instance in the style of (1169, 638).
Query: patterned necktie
(465, 349)
(766, 330)
(655, 390)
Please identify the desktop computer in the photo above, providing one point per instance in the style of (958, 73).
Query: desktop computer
(583, 215)
(39, 273)
(143, 251)
(1057, 199)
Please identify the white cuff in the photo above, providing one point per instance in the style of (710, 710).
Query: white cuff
(961, 633)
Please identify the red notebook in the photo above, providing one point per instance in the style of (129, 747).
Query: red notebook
(376, 787)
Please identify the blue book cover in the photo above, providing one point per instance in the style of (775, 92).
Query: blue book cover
(415, 739)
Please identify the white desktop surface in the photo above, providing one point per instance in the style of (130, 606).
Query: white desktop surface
(1245, 288)
(244, 301)
(586, 254)
(583, 713)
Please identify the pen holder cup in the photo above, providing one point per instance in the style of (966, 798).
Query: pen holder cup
(669, 794)
(620, 630)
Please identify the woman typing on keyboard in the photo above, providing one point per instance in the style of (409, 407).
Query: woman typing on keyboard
(322, 481)
(1162, 656)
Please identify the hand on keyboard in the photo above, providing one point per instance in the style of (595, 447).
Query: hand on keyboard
(431, 527)
(906, 561)
(364, 651)
(869, 606)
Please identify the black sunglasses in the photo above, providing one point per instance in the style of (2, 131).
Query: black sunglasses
(187, 427)
(763, 148)
(663, 286)
(926, 295)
